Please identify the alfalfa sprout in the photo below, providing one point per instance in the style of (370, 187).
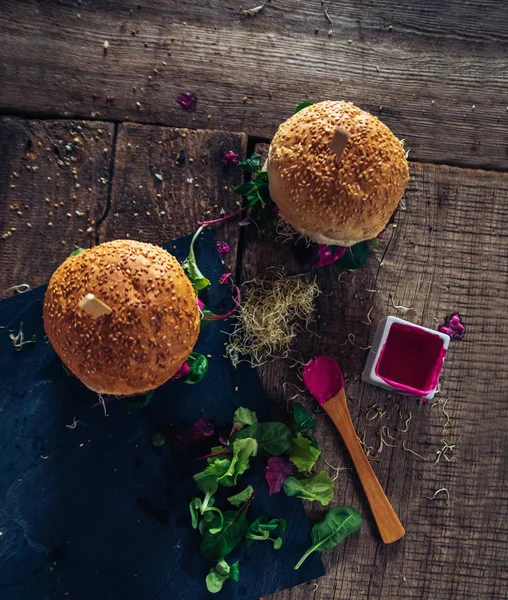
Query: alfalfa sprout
(275, 308)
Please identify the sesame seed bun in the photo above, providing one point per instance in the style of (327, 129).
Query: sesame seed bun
(152, 327)
(336, 199)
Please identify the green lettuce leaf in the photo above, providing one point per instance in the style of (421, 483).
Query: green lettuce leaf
(303, 454)
(318, 487)
(241, 497)
(244, 416)
(243, 449)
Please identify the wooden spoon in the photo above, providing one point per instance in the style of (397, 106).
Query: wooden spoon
(323, 378)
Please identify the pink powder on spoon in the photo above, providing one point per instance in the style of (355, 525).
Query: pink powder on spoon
(323, 378)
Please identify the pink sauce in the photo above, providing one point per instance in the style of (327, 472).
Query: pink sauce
(323, 378)
(411, 359)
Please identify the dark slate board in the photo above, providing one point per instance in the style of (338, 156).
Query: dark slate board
(97, 511)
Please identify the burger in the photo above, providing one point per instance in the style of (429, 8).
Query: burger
(336, 173)
(122, 316)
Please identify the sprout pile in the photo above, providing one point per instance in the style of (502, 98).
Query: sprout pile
(273, 311)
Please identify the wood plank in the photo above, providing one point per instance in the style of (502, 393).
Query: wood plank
(438, 70)
(54, 183)
(448, 251)
(156, 196)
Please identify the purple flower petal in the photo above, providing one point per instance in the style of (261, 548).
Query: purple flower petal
(230, 158)
(277, 470)
(226, 278)
(182, 371)
(223, 247)
(453, 327)
(187, 100)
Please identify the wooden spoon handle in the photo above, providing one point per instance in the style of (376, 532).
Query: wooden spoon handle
(388, 523)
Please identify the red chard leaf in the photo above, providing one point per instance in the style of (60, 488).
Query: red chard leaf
(277, 470)
(200, 430)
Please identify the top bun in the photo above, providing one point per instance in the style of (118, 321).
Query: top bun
(152, 326)
(336, 199)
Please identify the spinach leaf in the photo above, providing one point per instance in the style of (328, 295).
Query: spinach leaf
(190, 266)
(241, 497)
(273, 438)
(303, 454)
(243, 449)
(338, 523)
(244, 416)
(318, 487)
(355, 256)
(218, 545)
(221, 573)
(302, 418)
(303, 105)
(198, 364)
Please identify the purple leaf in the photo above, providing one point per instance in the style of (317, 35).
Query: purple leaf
(453, 327)
(277, 470)
(326, 256)
(200, 430)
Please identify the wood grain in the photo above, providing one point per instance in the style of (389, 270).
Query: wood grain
(166, 180)
(54, 185)
(448, 251)
(436, 72)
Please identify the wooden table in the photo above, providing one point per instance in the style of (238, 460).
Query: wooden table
(88, 147)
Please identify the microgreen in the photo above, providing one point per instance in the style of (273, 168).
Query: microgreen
(221, 573)
(263, 529)
(190, 266)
